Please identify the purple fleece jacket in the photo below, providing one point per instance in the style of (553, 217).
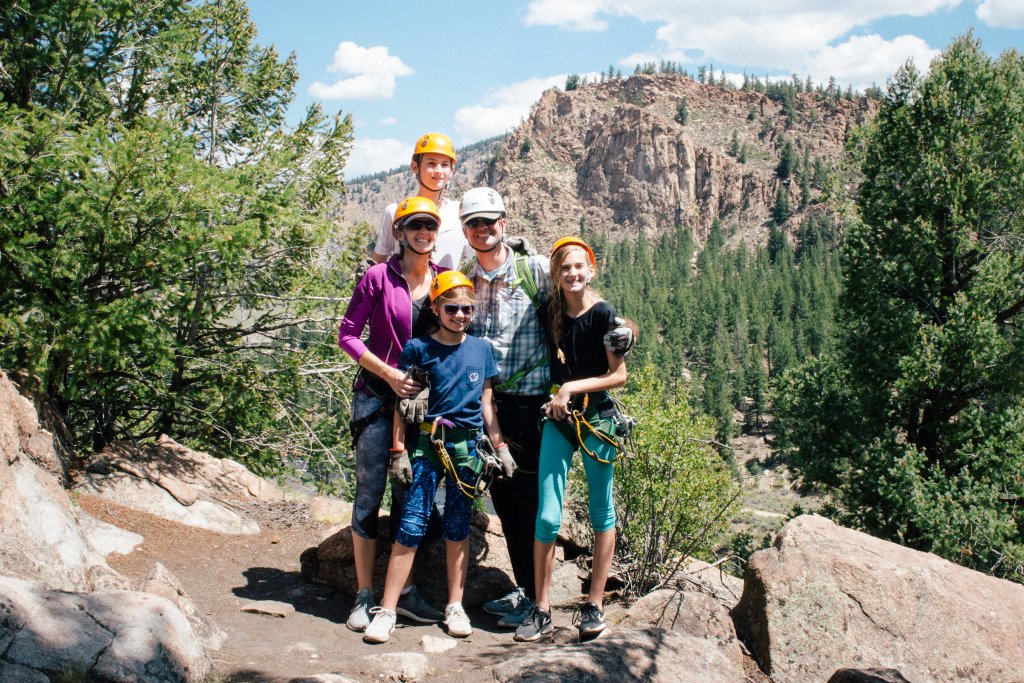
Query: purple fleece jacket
(381, 298)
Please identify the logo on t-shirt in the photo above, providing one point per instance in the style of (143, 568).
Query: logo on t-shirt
(474, 377)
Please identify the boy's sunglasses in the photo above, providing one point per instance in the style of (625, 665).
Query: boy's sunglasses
(416, 226)
(452, 309)
(477, 222)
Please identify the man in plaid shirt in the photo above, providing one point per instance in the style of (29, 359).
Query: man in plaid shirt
(508, 295)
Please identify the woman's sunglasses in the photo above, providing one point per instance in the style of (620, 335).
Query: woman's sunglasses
(477, 222)
(452, 309)
(416, 226)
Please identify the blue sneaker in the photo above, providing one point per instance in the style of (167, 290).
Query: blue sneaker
(413, 606)
(517, 616)
(505, 603)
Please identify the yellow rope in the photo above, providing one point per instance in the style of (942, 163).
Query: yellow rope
(446, 461)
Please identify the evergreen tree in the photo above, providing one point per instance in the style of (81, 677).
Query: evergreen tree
(917, 420)
(682, 112)
(781, 211)
(788, 161)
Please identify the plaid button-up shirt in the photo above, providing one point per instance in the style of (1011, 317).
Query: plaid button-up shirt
(506, 318)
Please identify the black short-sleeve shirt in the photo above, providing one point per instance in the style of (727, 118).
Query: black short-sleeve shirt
(583, 344)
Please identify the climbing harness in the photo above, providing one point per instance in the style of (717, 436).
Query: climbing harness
(485, 454)
(379, 389)
(615, 430)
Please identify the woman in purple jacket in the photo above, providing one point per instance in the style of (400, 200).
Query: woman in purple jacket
(392, 298)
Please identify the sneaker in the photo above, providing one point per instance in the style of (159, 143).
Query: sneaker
(505, 603)
(536, 624)
(516, 616)
(590, 619)
(381, 627)
(457, 621)
(359, 617)
(412, 605)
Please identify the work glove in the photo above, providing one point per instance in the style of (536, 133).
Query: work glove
(520, 245)
(361, 269)
(414, 408)
(400, 470)
(508, 465)
(620, 338)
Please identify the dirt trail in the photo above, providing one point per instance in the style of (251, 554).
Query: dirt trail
(222, 572)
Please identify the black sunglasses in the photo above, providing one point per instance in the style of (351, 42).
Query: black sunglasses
(452, 309)
(421, 225)
(477, 222)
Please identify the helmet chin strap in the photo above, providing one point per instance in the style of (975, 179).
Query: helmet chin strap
(440, 192)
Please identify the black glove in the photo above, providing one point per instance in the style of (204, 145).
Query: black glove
(414, 408)
(400, 470)
(520, 245)
(620, 338)
(361, 269)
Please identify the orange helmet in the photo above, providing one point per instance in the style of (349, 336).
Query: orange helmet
(565, 241)
(415, 207)
(435, 143)
(449, 279)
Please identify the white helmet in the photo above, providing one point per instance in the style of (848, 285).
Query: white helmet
(481, 202)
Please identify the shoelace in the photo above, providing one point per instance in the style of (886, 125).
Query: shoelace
(586, 612)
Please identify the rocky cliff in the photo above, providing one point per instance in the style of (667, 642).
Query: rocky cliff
(613, 157)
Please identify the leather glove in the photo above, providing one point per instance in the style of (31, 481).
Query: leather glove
(361, 269)
(520, 245)
(508, 465)
(414, 408)
(401, 469)
(620, 338)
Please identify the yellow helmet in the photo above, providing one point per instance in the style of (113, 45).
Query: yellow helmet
(415, 207)
(449, 279)
(565, 241)
(435, 143)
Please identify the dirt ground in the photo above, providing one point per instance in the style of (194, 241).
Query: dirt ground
(221, 573)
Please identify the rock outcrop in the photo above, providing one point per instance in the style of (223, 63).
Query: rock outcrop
(174, 482)
(826, 598)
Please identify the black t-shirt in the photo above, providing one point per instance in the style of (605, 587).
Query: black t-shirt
(583, 344)
(423, 318)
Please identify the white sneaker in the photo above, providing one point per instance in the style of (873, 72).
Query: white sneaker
(359, 617)
(457, 621)
(381, 627)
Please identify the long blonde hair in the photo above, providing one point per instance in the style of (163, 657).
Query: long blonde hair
(556, 303)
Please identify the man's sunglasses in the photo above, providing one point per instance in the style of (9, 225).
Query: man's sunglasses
(421, 225)
(452, 309)
(478, 222)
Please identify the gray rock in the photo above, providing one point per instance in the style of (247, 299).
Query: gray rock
(566, 584)
(827, 598)
(700, 577)
(400, 666)
(105, 635)
(165, 584)
(653, 655)
(270, 608)
(694, 614)
(106, 538)
(330, 510)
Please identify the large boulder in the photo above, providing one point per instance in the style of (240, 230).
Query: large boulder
(171, 481)
(40, 536)
(331, 562)
(104, 635)
(644, 655)
(826, 598)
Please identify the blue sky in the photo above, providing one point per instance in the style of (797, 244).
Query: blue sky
(473, 69)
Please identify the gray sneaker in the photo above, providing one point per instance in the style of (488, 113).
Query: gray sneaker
(516, 616)
(505, 603)
(413, 606)
(590, 620)
(537, 624)
(359, 617)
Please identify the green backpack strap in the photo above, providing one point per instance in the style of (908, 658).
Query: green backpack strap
(524, 276)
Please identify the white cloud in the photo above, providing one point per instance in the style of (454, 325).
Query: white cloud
(863, 60)
(370, 155)
(781, 36)
(502, 108)
(1002, 13)
(373, 73)
(388, 121)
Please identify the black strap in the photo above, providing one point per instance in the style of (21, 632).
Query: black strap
(357, 427)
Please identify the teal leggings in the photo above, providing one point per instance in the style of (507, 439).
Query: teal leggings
(556, 453)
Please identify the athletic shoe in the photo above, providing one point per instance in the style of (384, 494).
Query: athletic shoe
(537, 624)
(590, 619)
(412, 605)
(381, 627)
(516, 616)
(505, 603)
(359, 617)
(457, 621)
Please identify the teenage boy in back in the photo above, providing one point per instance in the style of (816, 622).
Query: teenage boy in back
(433, 162)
